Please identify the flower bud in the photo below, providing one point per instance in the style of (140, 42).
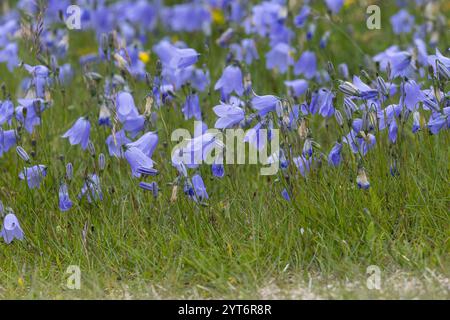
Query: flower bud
(22, 154)
(101, 161)
(91, 148)
(339, 118)
(225, 37)
(349, 89)
(382, 86)
(69, 171)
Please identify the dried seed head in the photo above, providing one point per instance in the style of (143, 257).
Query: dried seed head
(173, 197)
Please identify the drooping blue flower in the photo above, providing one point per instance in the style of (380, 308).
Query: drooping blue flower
(137, 159)
(183, 58)
(366, 92)
(393, 130)
(153, 187)
(187, 17)
(306, 65)
(125, 106)
(386, 116)
(218, 170)
(280, 33)
(174, 57)
(64, 200)
(383, 58)
(197, 78)
(115, 143)
(322, 102)
(147, 143)
(11, 229)
(264, 104)
(279, 57)
(191, 107)
(9, 54)
(439, 121)
(33, 175)
(128, 114)
(265, 16)
(402, 22)
(412, 95)
(334, 5)
(298, 87)
(27, 113)
(229, 114)
(422, 55)
(65, 75)
(303, 164)
(231, 80)
(7, 140)
(300, 19)
(40, 76)
(400, 64)
(285, 195)
(335, 158)
(164, 50)
(199, 188)
(79, 133)
(249, 50)
(6, 111)
(257, 136)
(91, 189)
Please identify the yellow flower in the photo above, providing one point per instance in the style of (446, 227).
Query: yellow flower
(217, 16)
(144, 57)
(348, 3)
(20, 282)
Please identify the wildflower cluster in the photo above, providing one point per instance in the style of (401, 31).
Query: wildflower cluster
(396, 95)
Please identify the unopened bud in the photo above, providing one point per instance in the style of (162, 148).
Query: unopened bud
(101, 161)
(69, 171)
(225, 37)
(382, 86)
(339, 118)
(22, 154)
(91, 148)
(349, 89)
